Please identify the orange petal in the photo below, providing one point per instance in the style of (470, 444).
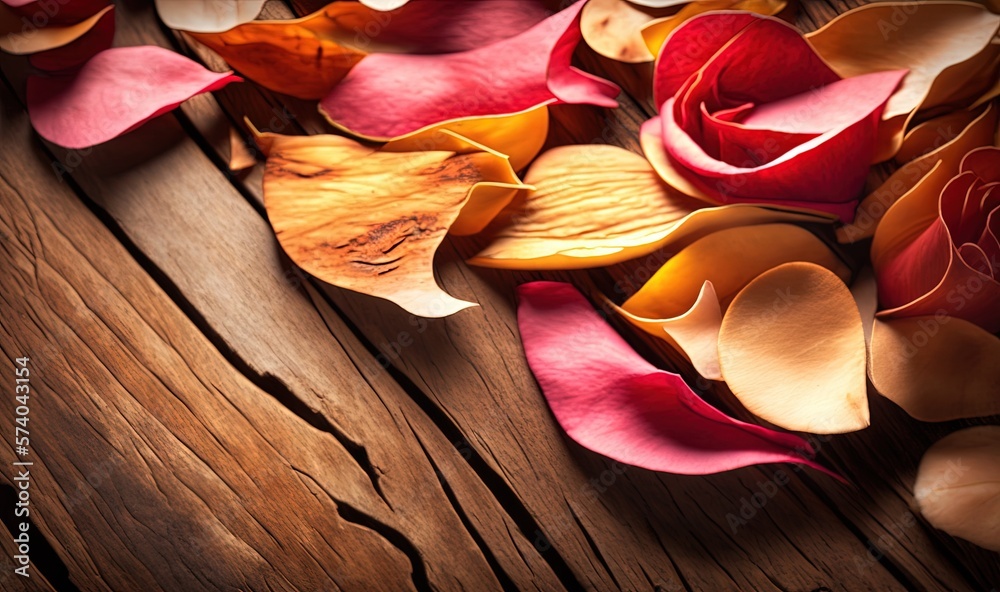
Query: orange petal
(937, 41)
(937, 368)
(16, 38)
(657, 31)
(958, 485)
(240, 156)
(595, 205)
(207, 16)
(920, 180)
(302, 57)
(792, 350)
(370, 220)
(613, 28)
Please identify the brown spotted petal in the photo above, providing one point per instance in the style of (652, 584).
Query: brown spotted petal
(370, 220)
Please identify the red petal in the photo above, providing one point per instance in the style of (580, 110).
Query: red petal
(610, 400)
(117, 90)
(73, 54)
(46, 13)
(388, 95)
(691, 45)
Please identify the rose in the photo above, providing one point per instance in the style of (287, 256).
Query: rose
(936, 252)
(751, 113)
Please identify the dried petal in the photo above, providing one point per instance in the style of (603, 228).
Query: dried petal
(114, 92)
(937, 41)
(522, 72)
(75, 53)
(923, 178)
(20, 37)
(792, 349)
(937, 368)
(595, 205)
(655, 33)
(610, 400)
(958, 485)
(207, 16)
(370, 220)
(613, 28)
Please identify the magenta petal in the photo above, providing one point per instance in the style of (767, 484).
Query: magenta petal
(388, 95)
(117, 90)
(610, 400)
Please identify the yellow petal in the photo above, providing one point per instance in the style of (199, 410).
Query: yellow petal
(613, 28)
(958, 485)
(596, 205)
(694, 333)
(657, 31)
(207, 16)
(240, 156)
(519, 136)
(792, 350)
(370, 220)
(920, 179)
(15, 39)
(302, 57)
(937, 41)
(936, 368)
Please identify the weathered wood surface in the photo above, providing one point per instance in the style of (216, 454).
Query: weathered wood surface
(208, 417)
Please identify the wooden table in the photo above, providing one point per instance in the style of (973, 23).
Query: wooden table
(205, 416)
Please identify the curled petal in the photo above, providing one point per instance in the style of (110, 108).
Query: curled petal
(115, 91)
(595, 205)
(610, 400)
(937, 368)
(938, 42)
(655, 33)
(957, 488)
(922, 179)
(792, 349)
(522, 72)
(370, 220)
(207, 16)
(19, 38)
(75, 53)
(685, 298)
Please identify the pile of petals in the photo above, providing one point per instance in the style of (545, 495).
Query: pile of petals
(821, 209)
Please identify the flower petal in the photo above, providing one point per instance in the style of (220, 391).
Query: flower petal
(384, 4)
(957, 488)
(370, 220)
(75, 53)
(530, 69)
(920, 180)
(937, 368)
(207, 16)
(115, 91)
(595, 205)
(694, 333)
(931, 39)
(792, 349)
(613, 28)
(40, 13)
(655, 33)
(19, 38)
(610, 400)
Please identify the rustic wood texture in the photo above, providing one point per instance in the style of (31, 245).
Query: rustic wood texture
(209, 417)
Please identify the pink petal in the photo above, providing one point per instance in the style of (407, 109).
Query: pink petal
(117, 90)
(79, 51)
(388, 95)
(610, 400)
(447, 26)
